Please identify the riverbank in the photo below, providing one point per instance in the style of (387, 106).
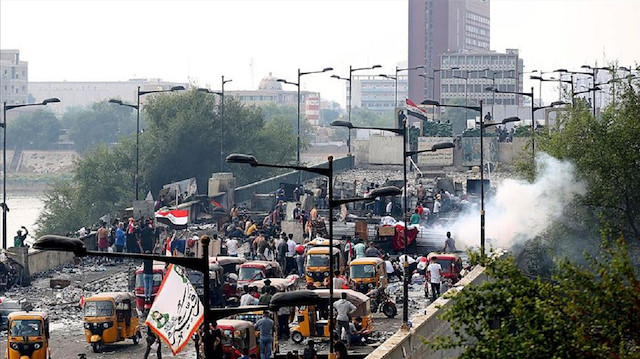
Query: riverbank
(32, 182)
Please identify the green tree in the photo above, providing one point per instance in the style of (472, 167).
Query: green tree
(38, 129)
(606, 153)
(290, 113)
(581, 312)
(102, 123)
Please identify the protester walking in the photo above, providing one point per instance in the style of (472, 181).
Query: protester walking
(344, 308)
(265, 326)
(153, 341)
(434, 273)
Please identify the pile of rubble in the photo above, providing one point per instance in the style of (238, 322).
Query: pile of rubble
(59, 291)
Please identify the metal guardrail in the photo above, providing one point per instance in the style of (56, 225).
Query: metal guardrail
(244, 193)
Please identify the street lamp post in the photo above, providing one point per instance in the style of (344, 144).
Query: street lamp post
(78, 248)
(5, 207)
(222, 123)
(350, 81)
(397, 77)
(297, 84)
(328, 172)
(137, 107)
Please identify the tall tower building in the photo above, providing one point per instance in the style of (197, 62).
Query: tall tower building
(440, 26)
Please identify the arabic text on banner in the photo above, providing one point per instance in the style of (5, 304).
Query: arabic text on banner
(177, 312)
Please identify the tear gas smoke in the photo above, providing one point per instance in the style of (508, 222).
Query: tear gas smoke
(520, 210)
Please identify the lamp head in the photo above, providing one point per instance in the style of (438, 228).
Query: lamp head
(585, 67)
(491, 89)
(430, 103)
(50, 100)
(510, 119)
(376, 66)
(205, 90)
(117, 102)
(536, 78)
(561, 70)
(241, 158)
(342, 123)
(177, 88)
(384, 191)
(327, 69)
(558, 103)
(442, 146)
(60, 243)
(455, 68)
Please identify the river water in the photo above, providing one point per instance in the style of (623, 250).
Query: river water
(24, 208)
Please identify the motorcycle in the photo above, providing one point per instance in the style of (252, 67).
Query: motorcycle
(380, 300)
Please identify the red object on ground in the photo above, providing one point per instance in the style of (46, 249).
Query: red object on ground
(398, 239)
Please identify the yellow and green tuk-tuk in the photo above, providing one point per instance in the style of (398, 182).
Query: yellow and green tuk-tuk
(28, 336)
(368, 273)
(111, 317)
(317, 265)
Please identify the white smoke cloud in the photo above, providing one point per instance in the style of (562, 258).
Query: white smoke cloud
(520, 210)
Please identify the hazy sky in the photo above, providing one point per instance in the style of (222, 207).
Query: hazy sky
(197, 41)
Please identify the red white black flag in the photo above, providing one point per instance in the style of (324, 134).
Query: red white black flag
(415, 111)
(176, 218)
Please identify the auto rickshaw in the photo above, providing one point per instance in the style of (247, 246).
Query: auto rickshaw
(256, 270)
(313, 310)
(451, 264)
(216, 294)
(317, 264)
(368, 273)
(230, 267)
(110, 317)
(28, 336)
(237, 336)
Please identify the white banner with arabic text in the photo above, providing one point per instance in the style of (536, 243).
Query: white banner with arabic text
(177, 311)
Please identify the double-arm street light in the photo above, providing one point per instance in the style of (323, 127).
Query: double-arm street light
(482, 214)
(350, 81)
(328, 172)
(78, 248)
(553, 79)
(5, 207)
(297, 84)
(137, 107)
(401, 131)
(533, 109)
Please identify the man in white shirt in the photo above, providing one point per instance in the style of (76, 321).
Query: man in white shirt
(389, 267)
(389, 208)
(232, 247)
(248, 298)
(408, 258)
(434, 273)
(344, 308)
(291, 252)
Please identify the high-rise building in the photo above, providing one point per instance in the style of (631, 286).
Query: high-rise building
(440, 26)
(13, 78)
(377, 93)
(477, 70)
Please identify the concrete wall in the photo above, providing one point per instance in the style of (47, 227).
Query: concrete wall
(40, 261)
(385, 150)
(437, 158)
(407, 344)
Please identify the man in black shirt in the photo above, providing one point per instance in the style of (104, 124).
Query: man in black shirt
(216, 336)
(147, 237)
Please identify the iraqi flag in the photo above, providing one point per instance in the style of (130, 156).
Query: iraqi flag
(415, 111)
(175, 218)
